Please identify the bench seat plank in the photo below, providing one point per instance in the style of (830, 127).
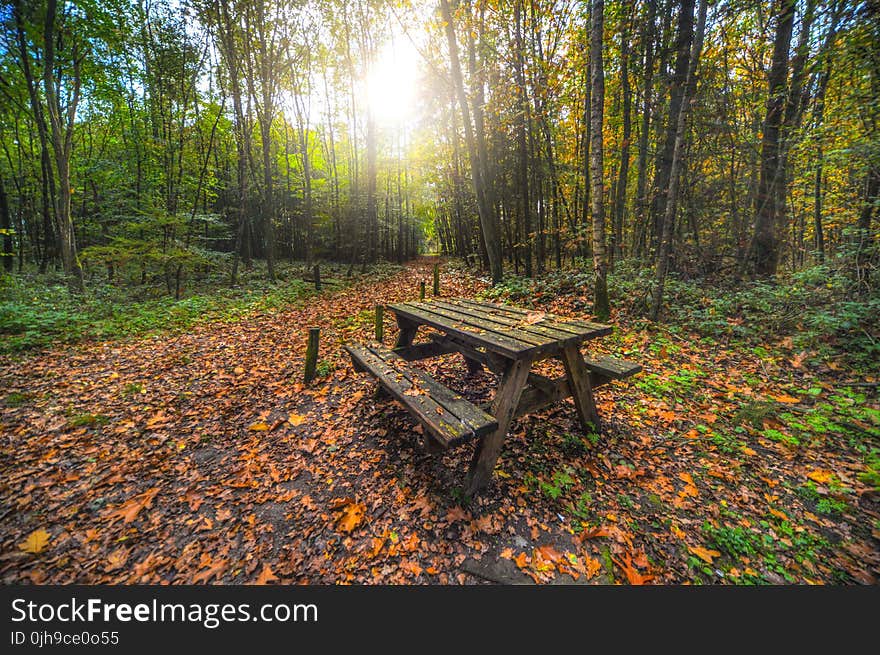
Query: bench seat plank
(610, 367)
(449, 417)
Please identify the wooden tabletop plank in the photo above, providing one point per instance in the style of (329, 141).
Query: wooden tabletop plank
(559, 322)
(486, 323)
(536, 340)
(544, 327)
(474, 334)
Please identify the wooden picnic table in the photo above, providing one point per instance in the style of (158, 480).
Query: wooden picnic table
(507, 340)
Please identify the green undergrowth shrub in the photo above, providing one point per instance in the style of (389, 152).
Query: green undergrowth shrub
(819, 309)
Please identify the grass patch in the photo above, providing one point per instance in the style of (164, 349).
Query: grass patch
(17, 399)
(38, 311)
(87, 420)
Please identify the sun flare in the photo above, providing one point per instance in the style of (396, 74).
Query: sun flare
(391, 83)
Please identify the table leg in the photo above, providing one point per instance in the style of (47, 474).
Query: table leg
(473, 366)
(581, 390)
(513, 381)
(407, 332)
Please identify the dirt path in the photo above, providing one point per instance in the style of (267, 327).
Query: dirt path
(200, 458)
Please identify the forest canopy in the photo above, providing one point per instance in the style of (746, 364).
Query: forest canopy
(157, 140)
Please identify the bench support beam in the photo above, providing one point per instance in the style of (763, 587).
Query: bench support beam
(581, 388)
(513, 381)
(407, 332)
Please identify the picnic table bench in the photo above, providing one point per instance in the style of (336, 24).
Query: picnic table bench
(506, 340)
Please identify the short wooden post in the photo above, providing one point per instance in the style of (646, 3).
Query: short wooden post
(436, 279)
(312, 354)
(422, 290)
(317, 271)
(380, 327)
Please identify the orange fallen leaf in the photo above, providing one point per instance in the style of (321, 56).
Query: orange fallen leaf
(633, 576)
(748, 451)
(592, 566)
(785, 398)
(214, 569)
(704, 554)
(411, 567)
(350, 516)
(549, 553)
(296, 419)
(594, 533)
(258, 427)
(521, 560)
(129, 510)
(377, 542)
(266, 576)
(35, 542)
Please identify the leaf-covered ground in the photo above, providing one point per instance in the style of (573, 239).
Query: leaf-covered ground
(201, 458)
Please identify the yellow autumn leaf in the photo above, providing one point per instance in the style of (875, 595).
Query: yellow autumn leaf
(296, 419)
(258, 427)
(35, 543)
(748, 451)
(677, 531)
(785, 398)
(820, 475)
(704, 554)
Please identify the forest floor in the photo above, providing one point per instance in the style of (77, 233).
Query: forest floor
(199, 457)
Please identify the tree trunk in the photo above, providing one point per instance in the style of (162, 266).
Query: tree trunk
(61, 120)
(521, 143)
(6, 231)
(684, 39)
(819, 119)
(479, 82)
(764, 252)
(229, 52)
(869, 207)
(623, 173)
(601, 306)
(266, 115)
(681, 127)
(640, 231)
(487, 224)
(47, 186)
